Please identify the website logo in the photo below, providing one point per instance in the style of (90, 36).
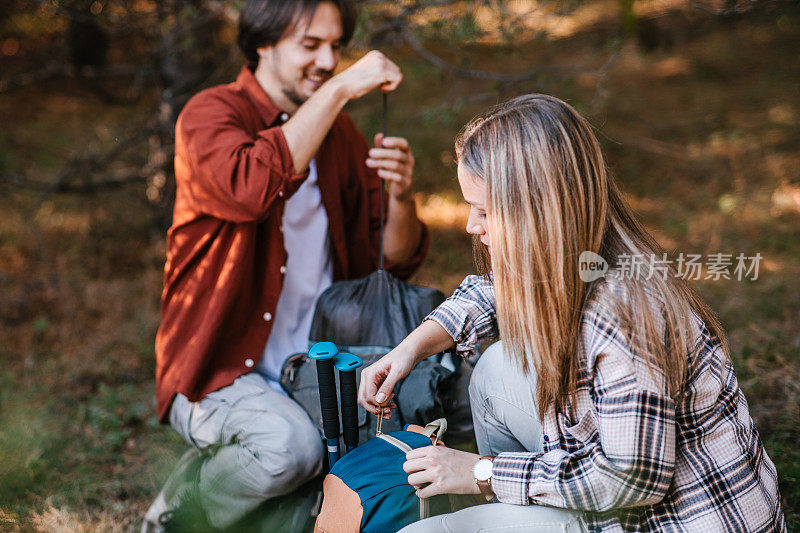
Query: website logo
(716, 267)
(591, 266)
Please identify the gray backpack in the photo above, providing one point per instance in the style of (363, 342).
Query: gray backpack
(368, 317)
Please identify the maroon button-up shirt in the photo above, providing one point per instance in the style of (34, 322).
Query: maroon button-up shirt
(225, 249)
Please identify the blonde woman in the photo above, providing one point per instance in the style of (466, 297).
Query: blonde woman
(611, 404)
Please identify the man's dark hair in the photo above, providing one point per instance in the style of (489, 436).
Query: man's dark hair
(265, 22)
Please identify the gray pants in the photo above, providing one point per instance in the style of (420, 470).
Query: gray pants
(506, 420)
(264, 445)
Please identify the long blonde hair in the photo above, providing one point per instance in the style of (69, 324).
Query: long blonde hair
(550, 197)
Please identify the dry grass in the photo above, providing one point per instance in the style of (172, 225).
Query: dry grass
(55, 520)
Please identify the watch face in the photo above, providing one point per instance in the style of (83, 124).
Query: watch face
(482, 470)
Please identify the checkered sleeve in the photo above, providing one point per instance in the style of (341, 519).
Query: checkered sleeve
(620, 453)
(469, 314)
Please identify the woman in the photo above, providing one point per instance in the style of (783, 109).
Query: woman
(611, 404)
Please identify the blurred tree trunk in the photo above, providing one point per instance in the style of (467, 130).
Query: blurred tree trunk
(187, 57)
(628, 17)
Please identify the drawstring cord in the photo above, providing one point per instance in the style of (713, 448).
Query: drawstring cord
(383, 131)
(380, 261)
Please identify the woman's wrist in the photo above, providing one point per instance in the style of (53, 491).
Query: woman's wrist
(482, 475)
(412, 351)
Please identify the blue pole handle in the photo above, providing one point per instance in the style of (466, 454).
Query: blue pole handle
(346, 364)
(323, 353)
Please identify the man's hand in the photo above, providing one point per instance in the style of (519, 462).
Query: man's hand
(311, 122)
(439, 470)
(395, 163)
(370, 72)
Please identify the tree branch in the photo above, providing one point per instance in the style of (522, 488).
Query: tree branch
(738, 8)
(108, 181)
(437, 61)
(601, 91)
(90, 167)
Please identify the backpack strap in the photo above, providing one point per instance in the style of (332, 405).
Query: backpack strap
(424, 509)
(436, 430)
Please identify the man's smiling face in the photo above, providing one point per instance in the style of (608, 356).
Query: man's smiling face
(305, 58)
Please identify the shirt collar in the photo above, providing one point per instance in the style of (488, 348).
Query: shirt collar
(266, 108)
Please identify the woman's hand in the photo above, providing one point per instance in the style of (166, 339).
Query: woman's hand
(379, 378)
(439, 470)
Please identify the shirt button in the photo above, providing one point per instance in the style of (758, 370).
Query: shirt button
(267, 316)
(284, 117)
(280, 193)
(546, 438)
(283, 269)
(248, 363)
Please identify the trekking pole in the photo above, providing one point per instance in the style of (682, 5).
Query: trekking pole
(323, 353)
(346, 364)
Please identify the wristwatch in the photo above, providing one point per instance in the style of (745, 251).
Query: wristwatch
(482, 472)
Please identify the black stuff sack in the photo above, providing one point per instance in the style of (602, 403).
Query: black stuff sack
(378, 311)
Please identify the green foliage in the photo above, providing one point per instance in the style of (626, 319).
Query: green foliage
(41, 325)
(781, 441)
(467, 29)
(112, 414)
(628, 16)
(26, 440)
(759, 368)
(442, 117)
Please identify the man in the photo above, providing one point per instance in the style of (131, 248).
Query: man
(278, 196)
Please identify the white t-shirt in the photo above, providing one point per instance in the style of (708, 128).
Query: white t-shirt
(309, 271)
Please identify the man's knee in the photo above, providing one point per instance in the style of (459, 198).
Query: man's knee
(274, 443)
(290, 451)
(307, 450)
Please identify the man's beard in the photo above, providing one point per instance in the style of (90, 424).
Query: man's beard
(294, 97)
(298, 99)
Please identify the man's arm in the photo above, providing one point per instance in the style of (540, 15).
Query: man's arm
(307, 128)
(221, 169)
(403, 230)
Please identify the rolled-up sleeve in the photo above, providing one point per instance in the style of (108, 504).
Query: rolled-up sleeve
(469, 315)
(234, 176)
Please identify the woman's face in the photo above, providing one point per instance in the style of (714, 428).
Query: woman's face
(474, 191)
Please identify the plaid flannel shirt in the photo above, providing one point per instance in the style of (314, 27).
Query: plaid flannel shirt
(631, 458)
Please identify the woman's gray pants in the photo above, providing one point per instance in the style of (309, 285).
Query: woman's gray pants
(506, 419)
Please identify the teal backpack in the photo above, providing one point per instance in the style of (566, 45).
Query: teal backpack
(367, 489)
